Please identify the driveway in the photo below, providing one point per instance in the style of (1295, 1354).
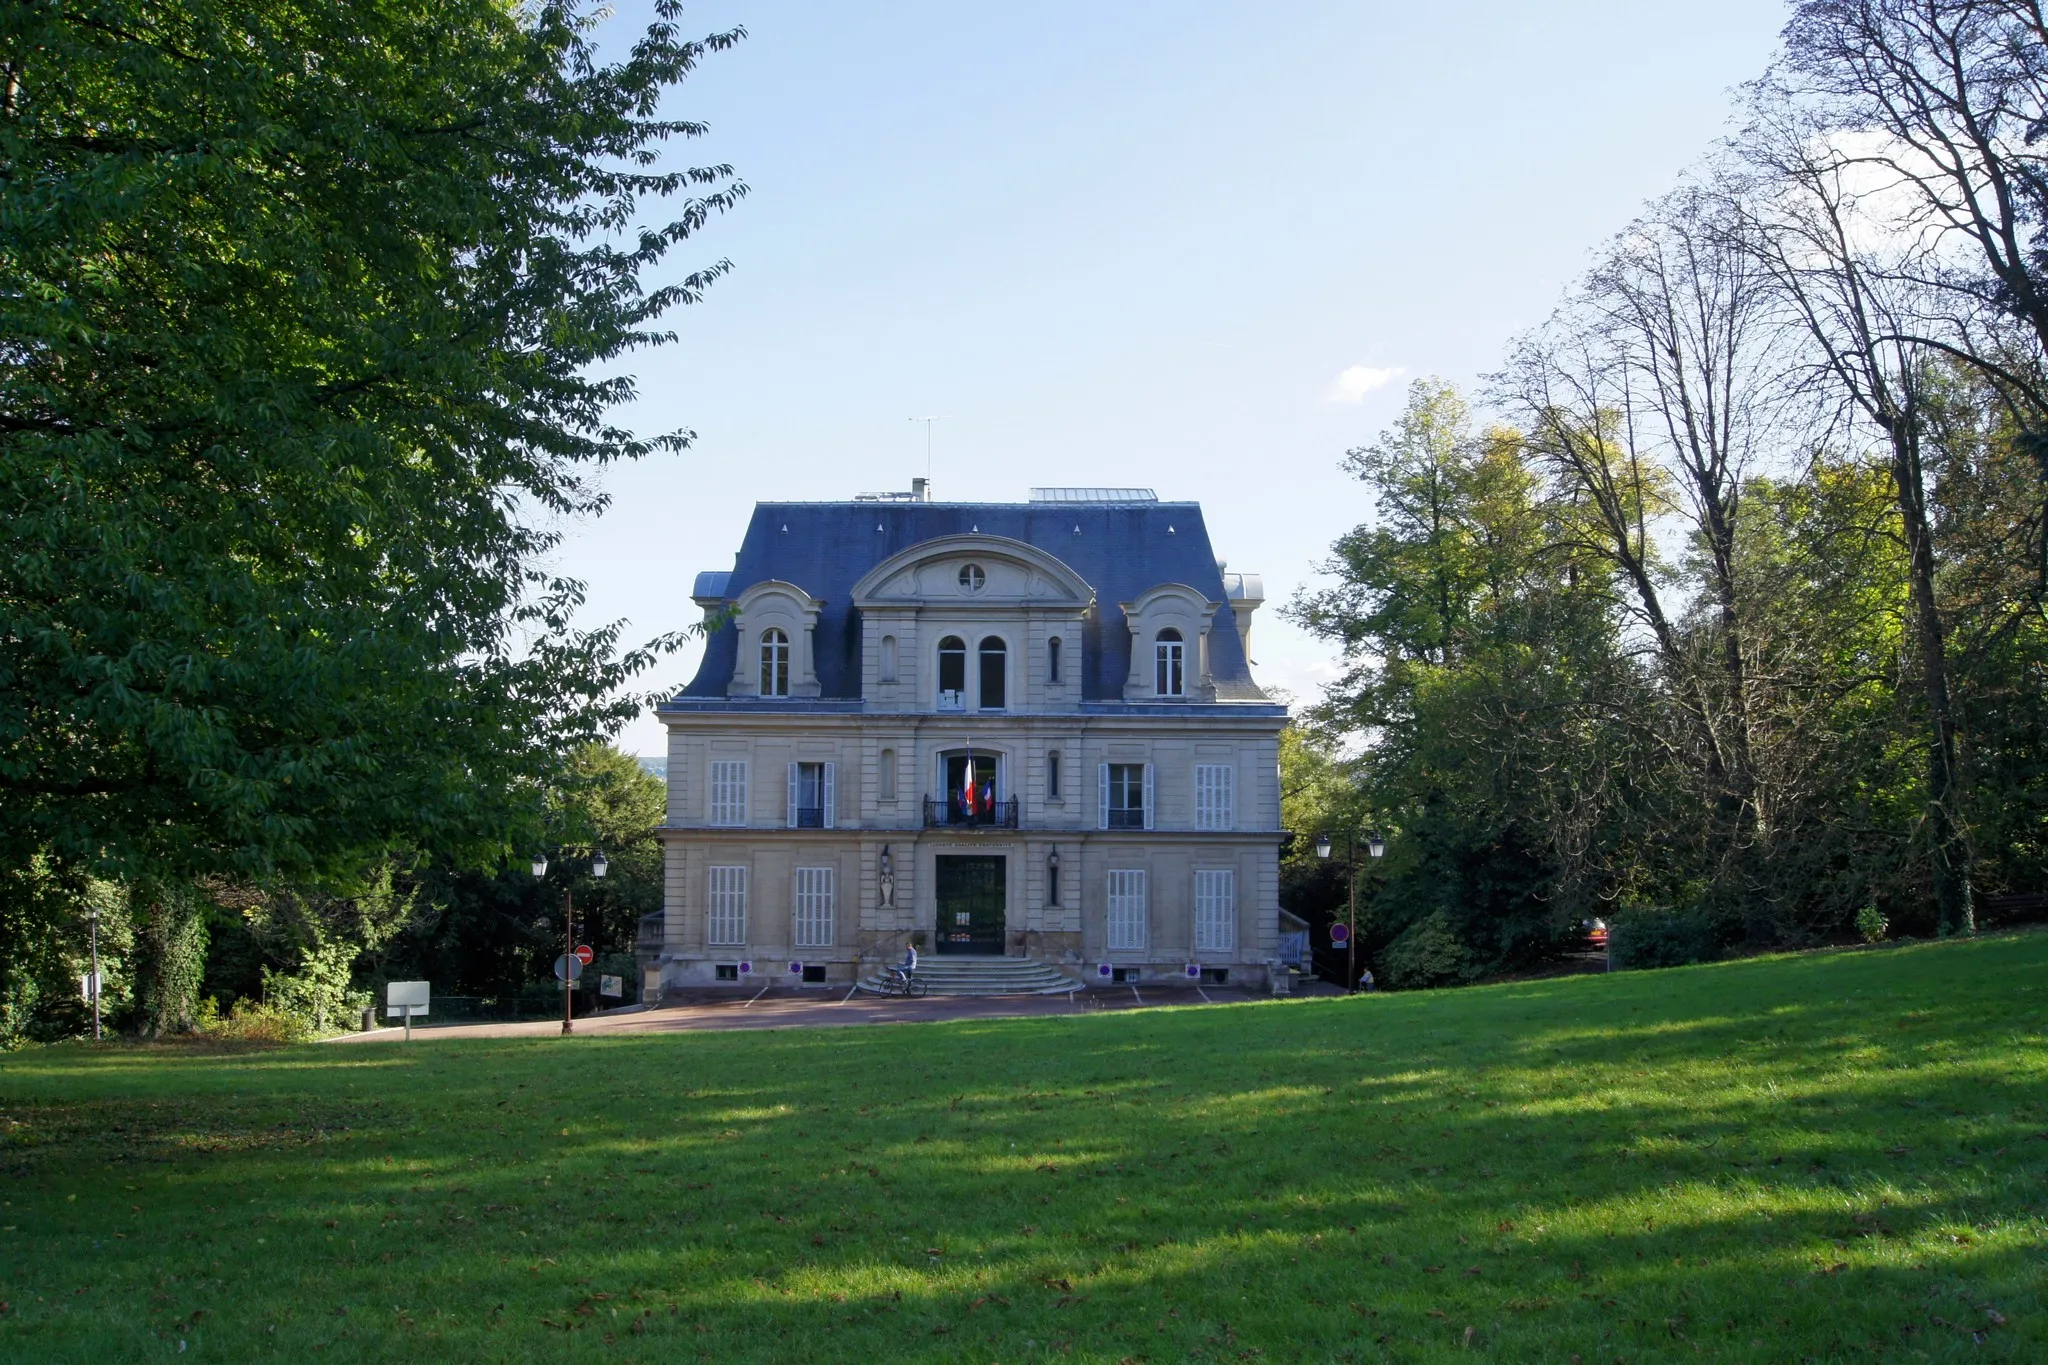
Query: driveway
(790, 1009)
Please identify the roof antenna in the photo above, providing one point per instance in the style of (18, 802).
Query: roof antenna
(928, 442)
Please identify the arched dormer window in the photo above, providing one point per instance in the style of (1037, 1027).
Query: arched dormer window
(888, 660)
(1052, 657)
(952, 673)
(1169, 664)
(774, 664)
(995, 659)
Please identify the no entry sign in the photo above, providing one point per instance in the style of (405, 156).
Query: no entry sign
(583, 953)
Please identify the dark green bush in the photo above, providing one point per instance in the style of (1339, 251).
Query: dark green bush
(1657, 937)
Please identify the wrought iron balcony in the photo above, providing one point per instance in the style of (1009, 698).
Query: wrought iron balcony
(810, 817)
(1126, 819)
(955, 813)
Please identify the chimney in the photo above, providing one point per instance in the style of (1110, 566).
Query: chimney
(920, 490)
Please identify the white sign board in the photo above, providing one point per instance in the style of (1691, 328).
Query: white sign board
(89, 985)
(611, 985)
(406, 999)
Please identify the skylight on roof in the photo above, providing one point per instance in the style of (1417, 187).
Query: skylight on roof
(1093, 495)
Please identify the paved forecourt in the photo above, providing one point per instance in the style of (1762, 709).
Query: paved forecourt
(785, 1010)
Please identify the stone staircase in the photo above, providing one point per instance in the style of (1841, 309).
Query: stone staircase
(984, 976)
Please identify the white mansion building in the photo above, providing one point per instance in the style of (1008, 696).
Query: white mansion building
(997, 730)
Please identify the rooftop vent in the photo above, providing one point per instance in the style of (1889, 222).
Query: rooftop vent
(920, 491)
(1093, 495)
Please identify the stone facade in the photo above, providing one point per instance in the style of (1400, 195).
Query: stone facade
(922, 722)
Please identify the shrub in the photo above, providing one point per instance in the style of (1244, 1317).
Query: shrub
(1427, 953)
(1871, 923)
(1655, 937)
(250, 1022)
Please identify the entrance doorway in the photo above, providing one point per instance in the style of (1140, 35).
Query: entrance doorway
(972, 914)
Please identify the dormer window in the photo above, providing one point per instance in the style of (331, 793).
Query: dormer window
(952, 673)
(774, 664)
(1169, 664)
(972, 579)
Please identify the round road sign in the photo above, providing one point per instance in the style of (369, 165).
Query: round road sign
(568, 967)
(1340, 934)
(583, 953)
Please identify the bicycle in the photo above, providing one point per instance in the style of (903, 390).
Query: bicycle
(900, 982)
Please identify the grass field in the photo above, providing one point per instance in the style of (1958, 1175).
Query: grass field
(1833, 1157)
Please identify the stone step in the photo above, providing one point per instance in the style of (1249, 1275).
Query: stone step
(984, 976)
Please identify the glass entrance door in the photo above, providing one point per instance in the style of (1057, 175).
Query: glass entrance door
(971, 905)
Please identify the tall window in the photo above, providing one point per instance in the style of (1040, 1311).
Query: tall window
(888, 660)
(726, 924)
(1215, 909)
(995, 661)
(888, 775)
(1052, 776)
(1126, 796)
(811, 913)
(1052, 660)
(812, 789)
(1213, 783)
(729, 792)
(1169, 664)
(952, 673)
(1126, 910)
(774, 663)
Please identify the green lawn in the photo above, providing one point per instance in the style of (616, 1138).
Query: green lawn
(1829, 1157)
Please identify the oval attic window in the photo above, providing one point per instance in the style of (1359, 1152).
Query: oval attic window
(972, 579)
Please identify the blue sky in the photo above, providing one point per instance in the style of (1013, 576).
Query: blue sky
(1130, 244)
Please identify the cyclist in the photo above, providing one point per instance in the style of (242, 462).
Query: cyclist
(908, 966)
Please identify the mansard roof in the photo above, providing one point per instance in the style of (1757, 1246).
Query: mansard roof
(1121, 550)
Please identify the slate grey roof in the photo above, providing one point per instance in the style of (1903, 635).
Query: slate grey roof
(1120, 549)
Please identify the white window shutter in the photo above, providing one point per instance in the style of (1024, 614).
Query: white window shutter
(831, 792)
(793, 796)
(1226, 798)
(1150, 805)
(1102, 808)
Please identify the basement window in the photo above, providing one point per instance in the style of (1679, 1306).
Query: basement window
(814, 976)
(726, 971)
(1215, 976)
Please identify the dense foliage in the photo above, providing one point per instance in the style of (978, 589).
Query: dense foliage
(1732, 626)
(309, 320)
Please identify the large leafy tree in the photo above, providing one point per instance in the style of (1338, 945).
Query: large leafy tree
(495, 934)
(310, 325)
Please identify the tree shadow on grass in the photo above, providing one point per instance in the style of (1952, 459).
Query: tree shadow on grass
(1853, 1168)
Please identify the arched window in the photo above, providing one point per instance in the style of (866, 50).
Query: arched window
(888, 774)
(995, 659)
(774, 663)
(1052, 659)
(888, 658)
(1169, 666)
(952, 671)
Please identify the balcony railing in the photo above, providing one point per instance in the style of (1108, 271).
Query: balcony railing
(1126, 819)
(810, 817)
(954, 813)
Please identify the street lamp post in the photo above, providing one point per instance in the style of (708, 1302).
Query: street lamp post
(598, 867)
(1377, 847)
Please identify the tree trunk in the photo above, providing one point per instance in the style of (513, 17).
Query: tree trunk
(170, 950)
(1951, 860)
